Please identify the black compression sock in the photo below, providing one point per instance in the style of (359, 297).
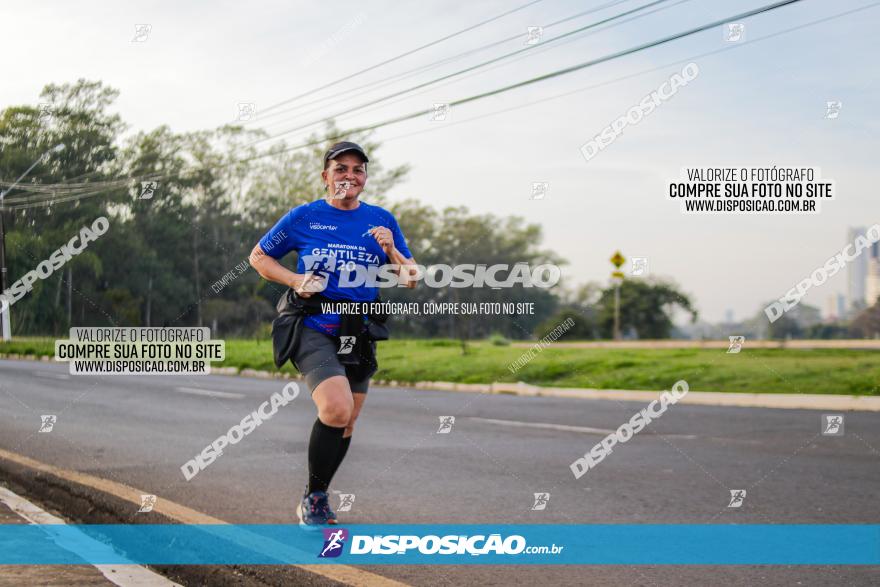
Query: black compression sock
(324, 446)
(343, 448)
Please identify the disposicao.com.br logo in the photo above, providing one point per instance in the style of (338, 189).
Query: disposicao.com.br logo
(430, 544)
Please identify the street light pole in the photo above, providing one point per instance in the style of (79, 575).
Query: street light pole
(4, 307)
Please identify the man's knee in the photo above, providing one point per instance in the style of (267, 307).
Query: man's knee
(349, 427)
(336, 413)
(334, 402)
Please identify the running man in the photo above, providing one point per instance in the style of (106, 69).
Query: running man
(332, 235)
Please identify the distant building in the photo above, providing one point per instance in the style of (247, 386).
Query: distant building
(857, 272)
(728, 316)
(835, 308)
(872, 281)
(831, 309)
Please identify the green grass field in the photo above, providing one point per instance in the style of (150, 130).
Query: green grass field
(758, 370)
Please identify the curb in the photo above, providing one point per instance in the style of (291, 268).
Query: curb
(809, 344)
(789, 401)
(87, 499)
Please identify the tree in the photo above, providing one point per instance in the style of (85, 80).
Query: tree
(455, 236)
(867, 323)
(785, 327)
(828, 331)
(579, 305)
(584, 324)
(646, 308)
(217, 194)
(76, 116)
(798, 321)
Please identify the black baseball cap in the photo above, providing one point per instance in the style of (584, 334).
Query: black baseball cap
(343, 147)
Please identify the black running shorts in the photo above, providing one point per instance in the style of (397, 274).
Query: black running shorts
(317, 360)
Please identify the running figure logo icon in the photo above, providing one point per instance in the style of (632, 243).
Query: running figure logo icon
(540, 189)
(832, 424)
(441, 112)
(639, 266)
(334, 541)
(47, 423)
(147, 503)
(142, 33)
(346, 345)
(541, 500)
(832, 109)
(341, 188)
(734, 32)
(148, 188)
(320, 265)
(446, 424)
(737, 496)
(736, 343)
(346, 500)
(534, 35)
(246, 111)
(317, 271)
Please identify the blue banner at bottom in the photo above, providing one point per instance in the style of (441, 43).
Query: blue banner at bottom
(355, 544)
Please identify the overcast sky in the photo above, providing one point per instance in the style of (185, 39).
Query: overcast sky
(758, 104)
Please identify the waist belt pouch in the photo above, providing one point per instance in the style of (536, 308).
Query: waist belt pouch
(284, 337)
(285, 303)
(367, 364)
(351, 325)
(377, 331)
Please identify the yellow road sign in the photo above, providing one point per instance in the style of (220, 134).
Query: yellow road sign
(617, 274)
(617, 259)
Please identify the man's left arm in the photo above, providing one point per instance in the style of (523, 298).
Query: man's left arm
(405, 267)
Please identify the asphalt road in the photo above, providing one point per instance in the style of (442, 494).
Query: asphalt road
(139, 430)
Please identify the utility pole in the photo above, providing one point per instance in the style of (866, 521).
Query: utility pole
(617, 279)
(4, 303)
(4, 306)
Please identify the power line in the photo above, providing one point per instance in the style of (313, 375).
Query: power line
(518, 58)
(729, 47)
(462, 71)
(404, 54)
(564, 71)
(443, 61)
(542, 48)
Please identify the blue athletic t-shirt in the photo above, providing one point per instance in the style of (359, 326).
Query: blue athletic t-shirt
(320, 233)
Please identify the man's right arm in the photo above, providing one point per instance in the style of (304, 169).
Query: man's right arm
(269, 268)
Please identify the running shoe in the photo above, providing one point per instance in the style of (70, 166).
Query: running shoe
(314, 510)
(331, 515)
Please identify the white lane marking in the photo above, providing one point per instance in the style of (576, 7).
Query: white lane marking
(210, 393)
(51, 375)
(564, 427)
(347, 575)
(583, 429)
(122, 575)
